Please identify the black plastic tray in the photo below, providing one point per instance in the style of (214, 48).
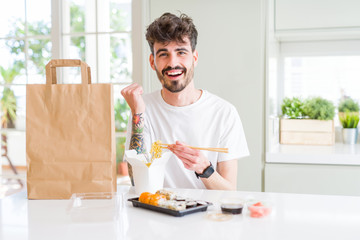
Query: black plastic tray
(199, 208)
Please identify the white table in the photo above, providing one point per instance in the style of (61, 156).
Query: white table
(295, 216)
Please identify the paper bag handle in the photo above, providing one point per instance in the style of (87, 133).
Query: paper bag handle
(54, 63)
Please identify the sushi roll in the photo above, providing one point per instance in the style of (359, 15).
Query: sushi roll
(169, 195)
(152, 199)
(173, 204)
(190, 204)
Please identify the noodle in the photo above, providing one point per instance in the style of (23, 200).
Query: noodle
(155, 152)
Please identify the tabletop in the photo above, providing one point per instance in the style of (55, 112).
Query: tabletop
(294, 216)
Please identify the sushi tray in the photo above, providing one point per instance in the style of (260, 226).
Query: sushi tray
(192, 206)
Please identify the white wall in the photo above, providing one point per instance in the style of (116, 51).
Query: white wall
(231, 63)
(312, 179)
(317, 20)
(319, 14)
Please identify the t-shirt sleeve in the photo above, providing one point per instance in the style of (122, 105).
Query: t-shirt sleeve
(233, 137)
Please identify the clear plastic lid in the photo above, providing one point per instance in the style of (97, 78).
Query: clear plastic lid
(95, 207)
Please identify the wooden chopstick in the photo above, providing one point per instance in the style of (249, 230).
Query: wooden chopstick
(222, 150)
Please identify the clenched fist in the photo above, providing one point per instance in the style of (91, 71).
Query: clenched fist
(132, 95)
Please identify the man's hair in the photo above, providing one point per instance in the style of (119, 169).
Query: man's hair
(170, 27)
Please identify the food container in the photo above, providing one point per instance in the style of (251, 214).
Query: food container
(201, 206)
(259, 209)
(95, 207)
(232, 205)
(147, 178)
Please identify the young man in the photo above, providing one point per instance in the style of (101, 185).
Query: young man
(182, 115)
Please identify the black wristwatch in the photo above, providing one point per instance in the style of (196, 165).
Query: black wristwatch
(207, 172)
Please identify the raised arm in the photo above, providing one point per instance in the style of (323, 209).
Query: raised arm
(137, 137)
(132, 95)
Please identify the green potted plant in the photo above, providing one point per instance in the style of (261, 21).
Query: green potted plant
(349, 119)
(308, 122)
(349, 122)
(8, 99)
(122, 168)
(292, 108)
(319, 108)
(122, 112)
(348, 105)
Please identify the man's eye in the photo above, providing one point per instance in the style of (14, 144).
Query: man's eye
(163, 55)
(182, 53)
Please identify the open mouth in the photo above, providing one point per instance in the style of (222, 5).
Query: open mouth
(174, 73)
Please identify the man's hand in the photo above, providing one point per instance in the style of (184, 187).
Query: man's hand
(192, 159)
(225, 176)
(132, 95)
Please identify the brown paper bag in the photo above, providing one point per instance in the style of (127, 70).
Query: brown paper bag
(70, 136)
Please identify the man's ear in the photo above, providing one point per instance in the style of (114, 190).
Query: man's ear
(196, 57)
(151, 60)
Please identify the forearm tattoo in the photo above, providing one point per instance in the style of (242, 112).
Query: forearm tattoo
(137, 138)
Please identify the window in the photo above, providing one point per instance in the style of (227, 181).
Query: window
(306, 68)
(327, 69)
(25, 48)
(98, 32)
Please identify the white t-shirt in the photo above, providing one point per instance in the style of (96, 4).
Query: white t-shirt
(209, 122)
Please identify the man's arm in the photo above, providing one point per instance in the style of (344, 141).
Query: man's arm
(137, 139)
(137, 135)
(224, 178)
(132, 95)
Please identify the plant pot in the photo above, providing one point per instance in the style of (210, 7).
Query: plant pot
(349, 135)
(307, 132)
(123, 169)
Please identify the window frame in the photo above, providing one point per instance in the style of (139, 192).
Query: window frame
(58, 35)
(309, 49)
(139, 21)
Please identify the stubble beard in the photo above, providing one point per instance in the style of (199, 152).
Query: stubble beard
(176, 85)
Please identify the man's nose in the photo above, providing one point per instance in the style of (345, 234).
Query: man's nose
(173, 61)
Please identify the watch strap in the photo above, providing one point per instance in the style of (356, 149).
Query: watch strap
(207, 172)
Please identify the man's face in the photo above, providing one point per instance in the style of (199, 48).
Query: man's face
(174, 64)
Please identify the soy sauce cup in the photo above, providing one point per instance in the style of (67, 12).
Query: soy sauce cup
(232, 205)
